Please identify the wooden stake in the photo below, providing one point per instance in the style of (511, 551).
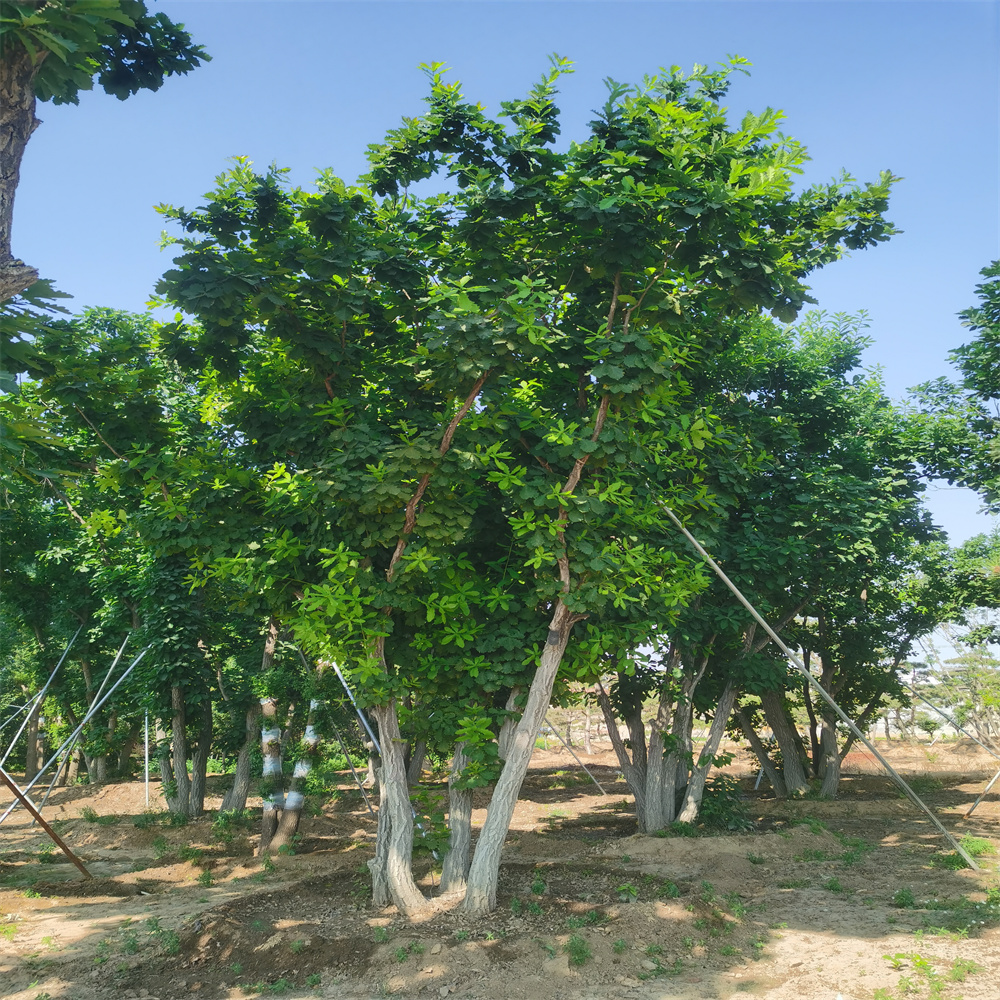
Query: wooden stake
(23, 799)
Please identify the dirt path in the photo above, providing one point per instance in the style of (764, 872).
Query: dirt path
(803, 908)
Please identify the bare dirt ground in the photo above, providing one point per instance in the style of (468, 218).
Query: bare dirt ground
(801, 909)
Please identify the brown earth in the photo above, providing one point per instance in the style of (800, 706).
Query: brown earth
(802, 908)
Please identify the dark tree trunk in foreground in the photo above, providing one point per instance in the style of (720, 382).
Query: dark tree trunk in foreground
(17, 122)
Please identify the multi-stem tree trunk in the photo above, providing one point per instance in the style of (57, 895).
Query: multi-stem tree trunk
(199, 762)
(236, 796)
(773, 775)
(792, 770)
(394, 798)
(455, 872)
(291, 815)
(699, 774)
(484, 872)
(657, 772)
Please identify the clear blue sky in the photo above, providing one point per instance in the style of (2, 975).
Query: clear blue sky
(908, 86)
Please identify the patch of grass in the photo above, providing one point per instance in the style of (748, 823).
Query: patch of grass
(186, 852)
(205, 878)
(461, 935)
(298, 946)
(904, 899)
(976, 847)
(535, 909)
(380, 935)
(810, 854)
(235, 968)
(516, 906)
(230, 824)
(161, 848)
(755, 859)
(8, 930)
(678, 829)
(91, 816)
(669, 890)
(538, 886)
(794, 883)
(281, 986)
(620, 946)
(922, 784)
(708, 892)
(314, 980)
(177, 819)
(834, 885)
(577, 949)
(48, 856)
(144, 820)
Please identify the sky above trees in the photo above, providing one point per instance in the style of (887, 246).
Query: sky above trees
(905, 86)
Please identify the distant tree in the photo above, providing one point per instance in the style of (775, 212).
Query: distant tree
(51, 51)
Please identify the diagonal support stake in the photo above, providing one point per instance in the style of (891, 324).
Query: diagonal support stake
(26, 802)
(820, 690)
(577, 759)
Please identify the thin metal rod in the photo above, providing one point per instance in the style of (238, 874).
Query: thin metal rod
(147, 758)
(72, 737)
(820, 690)
(952, 722)
(350, 764)
(69, 749)
(41, 694)
(26, 802)
(577, 759)
(361, 715)
(983, 794)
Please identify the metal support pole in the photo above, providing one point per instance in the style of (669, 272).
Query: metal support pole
(820, 690)
(79, 729)
(982, 795)
(38, 697)
(577, 759)
(954, 724)
(147, 758)
(350, 764)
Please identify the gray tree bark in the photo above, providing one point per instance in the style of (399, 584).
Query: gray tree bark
(291, 815)
(696, 782)
(394, 797)
(481, 894)
(788, 739)
(235, 798)
(455, 872)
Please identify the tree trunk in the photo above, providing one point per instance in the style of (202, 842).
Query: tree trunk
(830, 759)
(199, 762)
(788, 739)
(73, 771)
(509, 724)
(395, 798)
(416, 766)
(179, 750)
(633, 767)
(455, 872)
(484, 872)
(777, 782)
(379, 865)
(272, 784)
(31, 754)
(291, 815)
(587, 749)
(17, 122)
(235, 798)
(123, 766)
(696, 783)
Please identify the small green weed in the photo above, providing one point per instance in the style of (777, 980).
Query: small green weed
(535, 909)
(577, 949)
(314, 980)
(538, 886)
(516, 906)
(904, 899)
(620, 946)
(627, 892)
(380, 935)
(755, 859)
(833, 885)
(205, 878)
(144, 820)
